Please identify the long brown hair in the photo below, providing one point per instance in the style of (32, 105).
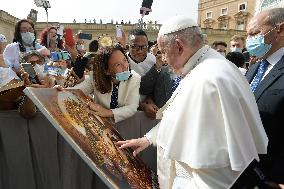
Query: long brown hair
(17, 34)
(103, 81)
(43, 38)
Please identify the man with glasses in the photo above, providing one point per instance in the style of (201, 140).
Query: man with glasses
(139, 59)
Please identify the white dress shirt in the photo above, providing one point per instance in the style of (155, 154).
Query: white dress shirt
(273, 59)
(142, 67)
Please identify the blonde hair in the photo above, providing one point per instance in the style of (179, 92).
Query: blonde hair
(237, 37)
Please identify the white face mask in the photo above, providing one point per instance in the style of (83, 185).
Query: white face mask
(235, 49)
(39, 69)
(28, 38)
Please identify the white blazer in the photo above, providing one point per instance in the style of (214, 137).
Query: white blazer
(128, 96)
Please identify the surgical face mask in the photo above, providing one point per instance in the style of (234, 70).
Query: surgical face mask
(256, 45)
(39, 69)
(235, 49)
(28, 37)
(122, 76)
(80, 47)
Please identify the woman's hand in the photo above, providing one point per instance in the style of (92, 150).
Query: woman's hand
(137, 145)
(25, 77)
(100, 110)
(73, 51)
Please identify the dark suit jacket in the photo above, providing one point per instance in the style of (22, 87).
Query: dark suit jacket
(157, 85)
(269, 96)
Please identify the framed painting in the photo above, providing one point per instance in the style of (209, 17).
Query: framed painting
(93, 138)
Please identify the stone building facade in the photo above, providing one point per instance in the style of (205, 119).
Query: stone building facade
(7, 27)
(225, 14)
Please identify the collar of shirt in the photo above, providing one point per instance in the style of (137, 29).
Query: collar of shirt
(276, 56)
(191, 63)
(273, 59)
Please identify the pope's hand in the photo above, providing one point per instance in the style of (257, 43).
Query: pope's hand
(137, 145)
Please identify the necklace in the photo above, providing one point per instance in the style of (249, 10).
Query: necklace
(159, 114)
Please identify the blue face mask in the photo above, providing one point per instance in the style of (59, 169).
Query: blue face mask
(122, 76)
(28, 37)
(256, 45)
(235, 49)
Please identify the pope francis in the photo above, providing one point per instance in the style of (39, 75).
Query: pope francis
(210, 129)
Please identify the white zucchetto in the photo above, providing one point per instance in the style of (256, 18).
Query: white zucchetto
(176, 23)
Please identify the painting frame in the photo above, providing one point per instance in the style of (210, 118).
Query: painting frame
(115, 167)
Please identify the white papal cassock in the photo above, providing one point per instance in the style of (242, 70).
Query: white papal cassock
(210, 128)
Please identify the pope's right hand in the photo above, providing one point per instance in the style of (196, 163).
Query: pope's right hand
(137, 145)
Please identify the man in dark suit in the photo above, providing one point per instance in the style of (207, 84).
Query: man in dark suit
(266, 41)
(158, 85)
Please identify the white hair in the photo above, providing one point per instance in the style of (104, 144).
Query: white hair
(192, 36)
(276, 16)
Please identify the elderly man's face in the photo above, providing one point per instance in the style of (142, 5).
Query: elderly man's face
(138, 48)
(258, 25)
(168, 51)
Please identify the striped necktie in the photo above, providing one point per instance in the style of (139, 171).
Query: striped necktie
(114, 96)
(260, 73)
(176, 82)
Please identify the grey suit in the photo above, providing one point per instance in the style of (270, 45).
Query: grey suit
(157, 85)
(270, 100)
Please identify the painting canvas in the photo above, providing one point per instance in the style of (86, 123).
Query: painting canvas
(93, 138)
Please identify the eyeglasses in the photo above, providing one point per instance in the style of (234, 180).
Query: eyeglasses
(139, 47)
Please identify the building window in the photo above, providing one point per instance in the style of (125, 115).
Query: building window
(243, 7)
(209, 14)
(223, 26)
(224, 11)
(240, 25)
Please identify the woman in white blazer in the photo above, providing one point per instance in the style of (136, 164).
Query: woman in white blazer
(114, 86)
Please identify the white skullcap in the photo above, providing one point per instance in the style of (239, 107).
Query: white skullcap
(176, 23)
(2, 38)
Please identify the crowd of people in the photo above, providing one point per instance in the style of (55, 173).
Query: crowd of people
(219, 110)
